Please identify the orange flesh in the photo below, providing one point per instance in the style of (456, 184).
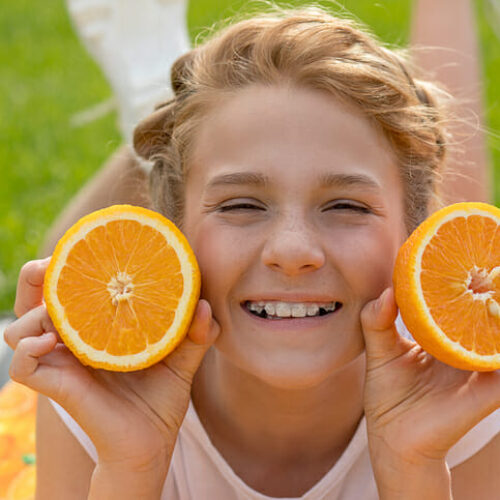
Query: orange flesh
(106, 287)
(456, 285)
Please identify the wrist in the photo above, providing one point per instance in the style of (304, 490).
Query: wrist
(400, 479)
(123, 480)
(405, 466)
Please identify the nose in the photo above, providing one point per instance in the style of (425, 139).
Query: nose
(293, 248)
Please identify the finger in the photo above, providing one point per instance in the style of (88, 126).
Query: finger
(26, 357)
(204, 329)
(477, 398)
(377, 321)
(50, 369)
(29, 293)
(60, 357)
(483, 389)
(32, 324)
(187, 357)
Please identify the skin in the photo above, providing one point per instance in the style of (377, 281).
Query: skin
(301, 240)
(452, 57)
(267, 418)
(56, 446)
(445, 54)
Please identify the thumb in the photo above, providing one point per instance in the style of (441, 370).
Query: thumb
(29, 292)
(377, 323)
(187, 357)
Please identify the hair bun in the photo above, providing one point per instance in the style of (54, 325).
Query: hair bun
(154, 132)
(181, 71)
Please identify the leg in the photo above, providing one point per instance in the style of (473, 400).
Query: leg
(135, 43)
(447, 28)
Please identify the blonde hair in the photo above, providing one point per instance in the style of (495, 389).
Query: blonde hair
(306, 48)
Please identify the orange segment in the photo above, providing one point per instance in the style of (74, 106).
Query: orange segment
(122, 287)
(447, 285)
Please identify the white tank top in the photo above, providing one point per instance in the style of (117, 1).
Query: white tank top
(199, 472)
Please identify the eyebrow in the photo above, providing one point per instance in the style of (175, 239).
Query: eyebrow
(327, 180)
(348, 180)
(239, 178)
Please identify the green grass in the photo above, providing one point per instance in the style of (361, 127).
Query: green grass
(47, 77)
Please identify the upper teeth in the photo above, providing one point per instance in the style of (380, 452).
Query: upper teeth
(291, 309)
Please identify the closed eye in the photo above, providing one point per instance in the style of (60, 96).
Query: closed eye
(347, 206)
(239, 206)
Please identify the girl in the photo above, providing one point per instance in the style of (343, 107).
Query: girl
(296, 155)
(453, 59)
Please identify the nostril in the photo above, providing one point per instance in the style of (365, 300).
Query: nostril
(293, 254)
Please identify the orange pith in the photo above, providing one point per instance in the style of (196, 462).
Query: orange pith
(121, 288)
(447, 285)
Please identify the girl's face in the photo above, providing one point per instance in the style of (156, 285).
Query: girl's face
(294, 208)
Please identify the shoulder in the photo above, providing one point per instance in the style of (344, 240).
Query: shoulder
(478, 476)
(64, 468)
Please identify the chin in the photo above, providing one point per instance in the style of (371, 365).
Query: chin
(297, 371)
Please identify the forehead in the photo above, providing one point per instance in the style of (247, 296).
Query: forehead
(283, 129)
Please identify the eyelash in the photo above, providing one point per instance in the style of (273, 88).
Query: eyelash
(337, 206)
(239, 206)
(348, 206)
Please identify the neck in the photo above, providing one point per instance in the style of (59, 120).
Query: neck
(251, 422)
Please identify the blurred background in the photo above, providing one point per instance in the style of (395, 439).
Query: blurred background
(48, 79)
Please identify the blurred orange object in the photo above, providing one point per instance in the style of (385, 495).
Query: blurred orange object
(17, 442)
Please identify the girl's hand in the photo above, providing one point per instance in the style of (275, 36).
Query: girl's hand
(416, 407)
(132, 418)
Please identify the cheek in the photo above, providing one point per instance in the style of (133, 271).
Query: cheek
(380, 261)
(221, 259)
(210, 252)
(368, 261)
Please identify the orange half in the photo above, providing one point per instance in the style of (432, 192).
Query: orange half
(122, 287)
(447, 285)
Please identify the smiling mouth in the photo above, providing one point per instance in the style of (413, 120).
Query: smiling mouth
(286, 310)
